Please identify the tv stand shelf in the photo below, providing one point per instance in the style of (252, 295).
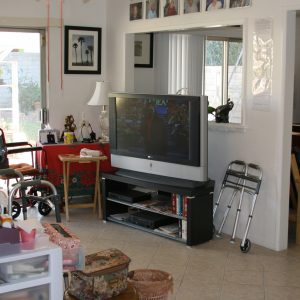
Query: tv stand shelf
(181, 213)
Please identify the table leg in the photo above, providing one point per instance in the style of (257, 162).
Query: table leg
(100, 215)
(66, 172)
(97, 192)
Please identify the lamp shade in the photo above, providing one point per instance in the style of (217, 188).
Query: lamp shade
(100, 96)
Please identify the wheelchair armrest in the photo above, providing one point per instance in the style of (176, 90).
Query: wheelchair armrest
(25, 149)
(17, 144)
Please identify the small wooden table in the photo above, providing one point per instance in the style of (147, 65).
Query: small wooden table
(67, 159)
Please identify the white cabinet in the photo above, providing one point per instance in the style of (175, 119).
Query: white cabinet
(31, 274)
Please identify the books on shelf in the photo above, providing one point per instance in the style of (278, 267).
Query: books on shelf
(161, 206)
(176, 229)
(170, 228)
(179, 205)
(183, 229)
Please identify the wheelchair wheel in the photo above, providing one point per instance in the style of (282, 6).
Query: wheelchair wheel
(44, 209)
(15, 209)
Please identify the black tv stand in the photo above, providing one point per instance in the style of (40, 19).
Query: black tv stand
(191, 215)
(172, 181)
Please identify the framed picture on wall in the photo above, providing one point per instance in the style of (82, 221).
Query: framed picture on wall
(171, 8)
(152, 9)
(143, 50)
(191, 6)
(82, 50)
(214, 4)
(239, 3)
(136, 11)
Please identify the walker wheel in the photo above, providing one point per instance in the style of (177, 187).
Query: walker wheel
(15, 209)
(44, 209)
(247, 246)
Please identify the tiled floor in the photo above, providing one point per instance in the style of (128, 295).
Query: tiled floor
(216, 270)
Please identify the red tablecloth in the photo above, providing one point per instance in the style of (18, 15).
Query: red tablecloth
(82, 175)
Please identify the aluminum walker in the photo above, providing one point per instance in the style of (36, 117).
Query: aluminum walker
(242, 178)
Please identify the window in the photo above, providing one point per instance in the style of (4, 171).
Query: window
(224, 73)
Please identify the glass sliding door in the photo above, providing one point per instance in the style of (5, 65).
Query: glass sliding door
(22, 83)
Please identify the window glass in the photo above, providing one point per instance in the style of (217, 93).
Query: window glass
(214, 57)
(21, 83)
(235, 79)
(5, 98)
(224, 75)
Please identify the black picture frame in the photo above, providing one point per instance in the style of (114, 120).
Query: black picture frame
(143, 50)
(88, 59)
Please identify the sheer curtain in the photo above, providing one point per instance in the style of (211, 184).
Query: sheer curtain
(185, 64)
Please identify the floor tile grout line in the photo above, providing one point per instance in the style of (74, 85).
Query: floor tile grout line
(223, 281)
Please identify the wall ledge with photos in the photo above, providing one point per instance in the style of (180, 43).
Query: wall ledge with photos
(153, 9)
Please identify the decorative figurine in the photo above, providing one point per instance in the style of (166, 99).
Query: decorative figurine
(70, 126)
(221, 113)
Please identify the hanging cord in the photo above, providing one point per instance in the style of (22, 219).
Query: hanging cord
(48, 38)
(61, 44)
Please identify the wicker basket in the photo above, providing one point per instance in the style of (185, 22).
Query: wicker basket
(151, 284)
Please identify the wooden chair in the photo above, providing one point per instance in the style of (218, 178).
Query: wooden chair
(294, 215)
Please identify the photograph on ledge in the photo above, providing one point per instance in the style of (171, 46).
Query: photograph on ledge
(152, 9)
(214, 4)
(136, 11)
(191, 6)
(171, 8)
(239, 3)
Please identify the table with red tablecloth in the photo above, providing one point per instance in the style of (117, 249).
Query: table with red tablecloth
(82, 176)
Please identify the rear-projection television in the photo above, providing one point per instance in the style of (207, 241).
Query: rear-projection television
(162, 135)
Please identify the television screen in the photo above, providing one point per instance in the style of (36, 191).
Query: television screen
(163, 128)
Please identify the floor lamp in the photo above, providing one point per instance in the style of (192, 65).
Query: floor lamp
(100, 98)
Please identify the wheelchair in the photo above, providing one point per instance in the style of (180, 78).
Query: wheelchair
(29, 189)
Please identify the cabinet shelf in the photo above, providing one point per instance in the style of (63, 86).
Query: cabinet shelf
(195, 224)
(147, 230)
(145, 207)
(47, 261)
(24, 283)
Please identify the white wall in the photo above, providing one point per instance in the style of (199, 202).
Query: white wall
(77, 89)
(265, 137)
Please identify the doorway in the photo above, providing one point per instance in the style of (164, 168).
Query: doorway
(22, 83)
(295, 161)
